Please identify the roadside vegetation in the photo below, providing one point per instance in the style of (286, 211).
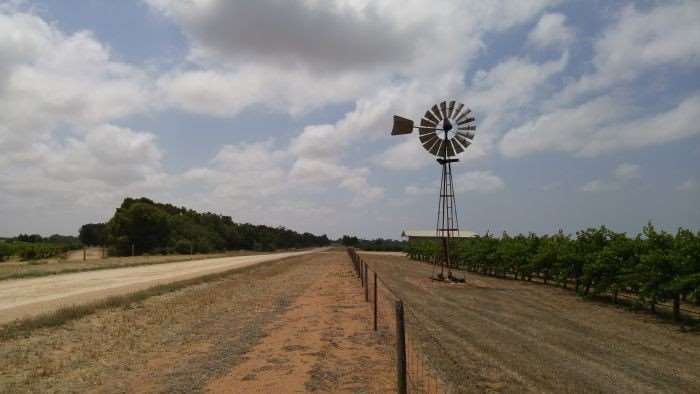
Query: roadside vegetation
(144, 227)
(34, 246)
(378, 245)
(654, 266)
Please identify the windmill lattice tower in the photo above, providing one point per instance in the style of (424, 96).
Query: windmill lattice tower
(445, 131)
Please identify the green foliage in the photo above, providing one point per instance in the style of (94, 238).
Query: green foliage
(93, 234)
(379, 244)
(655, 265)
(5, 251)
(183, 246)
(151, 227)
(31, 250)
(34, 247)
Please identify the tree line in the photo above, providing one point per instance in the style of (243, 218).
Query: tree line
(654, 265)
(378, 244)
(142, 226)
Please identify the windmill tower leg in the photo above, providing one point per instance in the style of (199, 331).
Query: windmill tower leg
(447, 221)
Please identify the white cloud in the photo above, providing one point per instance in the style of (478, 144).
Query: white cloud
(227, 93)
(406, 155)
(478, 181)
(53, 82)
(596, 186)
(504, 93)
(665, 34)
(620, 177)
(303, 55)
(551, 31)
(101, 168)
(413, 190)
(64, 78)
(627, 171)
(364, 193)
(599, 126)
(688, 185)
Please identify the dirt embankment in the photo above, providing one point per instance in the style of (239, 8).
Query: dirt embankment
(509, 336)
(299, 321)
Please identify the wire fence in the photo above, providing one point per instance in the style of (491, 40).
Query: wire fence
(402, 329)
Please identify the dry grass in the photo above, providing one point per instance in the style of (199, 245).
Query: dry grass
(172, 338)
(24, 327)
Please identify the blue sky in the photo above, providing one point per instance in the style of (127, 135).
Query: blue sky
(272, 112)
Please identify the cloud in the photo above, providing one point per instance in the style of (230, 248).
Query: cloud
(60, 93)
(321, 34)
(364, 193)
(108, 163)
(639, 41)
(503, 94)
(407, 155)
(413, 190)
(250, 176)
(297, 56)
(688, 185)
(621, 175)
(227, 93)
(627, 171)
(599, 126)
(551, 31)
(478, 181)
(64, 78)
(597, 186)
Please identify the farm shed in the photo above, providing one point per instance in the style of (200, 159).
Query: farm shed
(430, 235)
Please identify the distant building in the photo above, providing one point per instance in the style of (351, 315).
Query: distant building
(430, 235)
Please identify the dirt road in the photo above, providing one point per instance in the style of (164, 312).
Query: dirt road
(502, 335)
(297, 325)
(27, 297)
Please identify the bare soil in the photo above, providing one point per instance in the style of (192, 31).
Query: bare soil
(322, 343)
(498, 335)
(300, 321)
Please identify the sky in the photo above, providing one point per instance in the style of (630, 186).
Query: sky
(280, 112)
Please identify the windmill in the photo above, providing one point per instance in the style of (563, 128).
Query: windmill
(445, 131)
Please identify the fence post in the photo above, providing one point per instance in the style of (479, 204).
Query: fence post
(366, 285)
(133, 250)
(361, 273)
(400, 350)
(375, 301)
(84, 254)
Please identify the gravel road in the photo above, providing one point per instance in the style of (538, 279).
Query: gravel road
(29, 297)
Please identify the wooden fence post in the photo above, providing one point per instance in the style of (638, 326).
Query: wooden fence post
(400, 350)
(366, 285)
(362, 269)
(84, 254)
(375, 301)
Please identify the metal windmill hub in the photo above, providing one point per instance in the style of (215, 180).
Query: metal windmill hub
(446, 130)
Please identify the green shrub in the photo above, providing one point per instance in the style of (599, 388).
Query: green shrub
(183, 246)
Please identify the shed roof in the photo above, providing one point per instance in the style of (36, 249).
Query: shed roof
(432, 234)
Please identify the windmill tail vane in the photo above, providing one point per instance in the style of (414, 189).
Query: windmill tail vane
(446, 130)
